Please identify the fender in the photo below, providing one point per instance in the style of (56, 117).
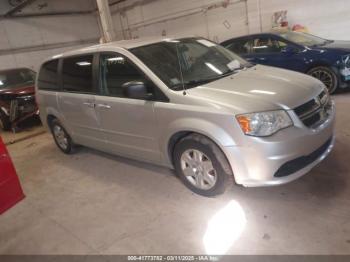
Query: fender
(211, 130)
(50, 111)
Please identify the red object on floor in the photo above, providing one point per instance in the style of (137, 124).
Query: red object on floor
(10, 188)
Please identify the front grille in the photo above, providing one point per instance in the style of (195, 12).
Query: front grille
(301, 162)
(22, 105)
(26, 104)
(314, 112)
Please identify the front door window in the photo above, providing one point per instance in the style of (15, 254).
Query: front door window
(115, 71)
(264, 45)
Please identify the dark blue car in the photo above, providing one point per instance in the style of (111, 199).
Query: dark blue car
(327, 60)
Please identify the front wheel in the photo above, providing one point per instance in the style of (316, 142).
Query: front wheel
(327, 76)
(201, 165)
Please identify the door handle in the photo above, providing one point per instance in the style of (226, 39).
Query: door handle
(104, 106)
(88, 104)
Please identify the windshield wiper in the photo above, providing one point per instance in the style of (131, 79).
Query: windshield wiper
(191, 83)
(324, 43)
(194, 83)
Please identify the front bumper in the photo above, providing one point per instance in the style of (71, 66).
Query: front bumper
(19, 108)
(283, 157)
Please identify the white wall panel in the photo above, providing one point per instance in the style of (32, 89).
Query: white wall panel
(141, 18)
(183, 18)
(31, 59)
(193, 25)
(46, 6)
(326, 18)
(8, 61)
(45, 30)
(26, 32)
(68, 28)
(20, 33)
(225, 23)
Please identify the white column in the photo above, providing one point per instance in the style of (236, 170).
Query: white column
(106, 20)
(254, 16)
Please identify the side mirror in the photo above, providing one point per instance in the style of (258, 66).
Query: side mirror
(136, 90)
(289, 50)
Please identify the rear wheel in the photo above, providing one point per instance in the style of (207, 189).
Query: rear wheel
(327, 76)
(61, 137)
(201, 165)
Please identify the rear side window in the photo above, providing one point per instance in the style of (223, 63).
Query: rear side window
(267, 45)
(77, 74)
(48, 76)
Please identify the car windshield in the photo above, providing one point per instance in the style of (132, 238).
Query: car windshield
(304, 39)
(16, 78)
(194, 60)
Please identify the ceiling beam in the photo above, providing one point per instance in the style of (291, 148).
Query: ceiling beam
(54, 14)
(17, 8)
(11, 13)
(117, 2)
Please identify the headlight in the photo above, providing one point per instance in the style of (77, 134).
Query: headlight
(346, 60)
(345, 67)
(264, 123)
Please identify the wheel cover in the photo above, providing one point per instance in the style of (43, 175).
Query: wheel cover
(198, 169)
(325, 77)
(61, 137)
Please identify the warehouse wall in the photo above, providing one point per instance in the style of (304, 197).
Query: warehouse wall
(210, 18)
(26, 41)
(329, 19)
(222, 19)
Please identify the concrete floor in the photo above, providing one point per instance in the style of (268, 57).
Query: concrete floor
(28, 129)
(94, 203)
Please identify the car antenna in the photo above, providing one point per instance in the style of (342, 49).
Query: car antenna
(180, 67)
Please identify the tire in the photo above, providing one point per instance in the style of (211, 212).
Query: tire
(194, 169)
(5, 123)
(327, 76)
(61, 137)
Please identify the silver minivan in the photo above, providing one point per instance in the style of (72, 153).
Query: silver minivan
(191, 105)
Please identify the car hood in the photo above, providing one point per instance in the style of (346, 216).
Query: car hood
(260, 88)
(338, 45)
(24, 90)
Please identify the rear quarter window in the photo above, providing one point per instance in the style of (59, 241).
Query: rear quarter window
(48, 76)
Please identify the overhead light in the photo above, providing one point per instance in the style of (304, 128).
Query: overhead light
(171, 40)
(260, 47)
(118, 58)
(212, 67)
(57, 56)
(83, 63)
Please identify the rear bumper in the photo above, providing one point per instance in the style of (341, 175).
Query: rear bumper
(283, 157)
